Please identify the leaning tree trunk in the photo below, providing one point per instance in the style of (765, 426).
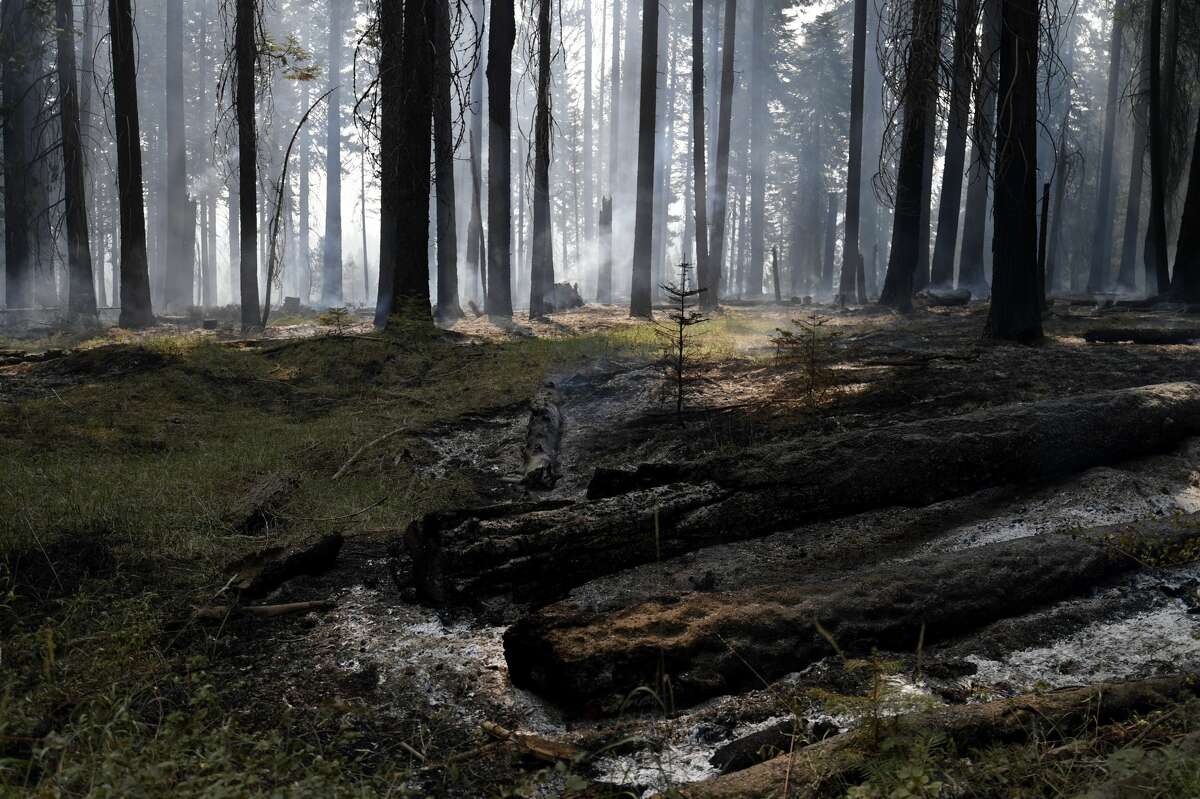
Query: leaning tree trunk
(541, 282)
(135, 273)
(1158, 277)
(1186, 287)
(1101, 254)
(499, 73)
(81, 297)
(717, 243)
(851, 248)
(942, 274)
(1016, 291)
(921, 72)
(641, 299)
(331, 269)
(245, 62)
(406, 93)
(448, 308)
(700, 176)
(971, 273)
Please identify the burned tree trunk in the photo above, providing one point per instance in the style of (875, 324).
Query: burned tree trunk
(1187, 256)
(541, 280)
(448, 309)
(543, 440)
(331, 261)
(135, 272)
(1101, 255)
(664, 509)
(641, 298)
(700, 169)
(971, 273)
(245, 63)
(82, 291)
(717, 243)
(501, 39)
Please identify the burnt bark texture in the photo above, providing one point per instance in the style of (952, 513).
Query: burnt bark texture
(664, 509)
(541, 280)
(717, 243)
(1186, 286)
(448, 309)
(543, 440)
(501, 39)
(704, 640)
(135, 272)
(851, 249)
(331, 260)
(245, 44)
(699, 162)
(641, 298)
(1016, 313)
(81, 295)
(971, 273)
(1101, 255)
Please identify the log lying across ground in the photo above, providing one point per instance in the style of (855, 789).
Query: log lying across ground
(1147, 336)
(709, 644)
(543, 440)
(661, 510)
(813, 770)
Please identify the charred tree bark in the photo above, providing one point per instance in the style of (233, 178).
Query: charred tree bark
(1186, 287)
(499, 73)
(245, 63)
(942, 274)
(591, 663)
(1016, 295)
(760, 127)
(852, 248)
(406, 87)
(543, 440)
(448, 309)
(541, 281)
(17, 117)
(717, 244)
(1101, 255)
(907, 235)
(830, 246)
(1126, 275)
(604, 289)
(971, 273)
(1158, 277)
(464, 556)
(641, 298)
(178, 262)
(135, 273)
(82, 288)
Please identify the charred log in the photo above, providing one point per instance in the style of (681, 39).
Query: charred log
(543, 440)
(1142, 336)
(708, 644)
(661, 510)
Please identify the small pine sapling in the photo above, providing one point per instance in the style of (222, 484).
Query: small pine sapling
(810, 354)
(337, 318)
(678, 337)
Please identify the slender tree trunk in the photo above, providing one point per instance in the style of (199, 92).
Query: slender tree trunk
(178, 263)
(1158, 277)
(956, 146)
(910, 199)
(541, 279)
(1127, 274)
(331, 270)
(82, 292)
(604, 287)
(135, 275)
(1062, 174)
(716, 248)
(641, 302)
(971, 273)
(1016, 308)
(476, 245)
(830, 245)
(1101, 254)
(87, 75)
(759, 146)
(246, 60)
(448, 308)
(851, 247)
(589, 178)
(406, 85)
(499, 72)
(18, 107)
(704, 272)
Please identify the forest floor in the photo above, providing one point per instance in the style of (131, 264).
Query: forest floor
(136, 468)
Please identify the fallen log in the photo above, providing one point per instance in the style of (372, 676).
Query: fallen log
(666, 509)
(708, 644)
(948, 298)
(1145, 336)
(543, 440)
(219, 613)
(811, 771)
(262, 572)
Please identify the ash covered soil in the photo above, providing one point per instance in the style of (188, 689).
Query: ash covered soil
(427, 684)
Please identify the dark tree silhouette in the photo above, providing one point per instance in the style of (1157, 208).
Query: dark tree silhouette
(717, 243)
(541, 283)
(641, 299)
(700, 170)
(448, 308)
(1101, 255)
(502, 37)
(81, 296)
(245, 44)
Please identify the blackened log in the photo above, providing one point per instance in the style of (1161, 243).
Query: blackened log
(539, 556)
(701, 644)
(1142, 336)
(543, 440)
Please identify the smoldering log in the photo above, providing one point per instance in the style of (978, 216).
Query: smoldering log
(1144, 336)
(543, 440)
(591, 663)
(813, 770)
(259, 574)
(665, 509)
